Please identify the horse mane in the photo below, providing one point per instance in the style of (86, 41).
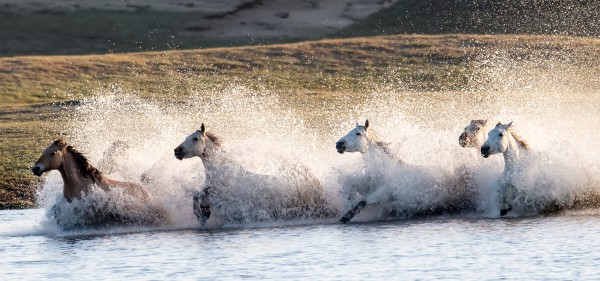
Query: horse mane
(481, 122)
(85, 168)
(523, 143)
(383, 145)
(214, 138)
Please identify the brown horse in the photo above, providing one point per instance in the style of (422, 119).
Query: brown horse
(81, 178)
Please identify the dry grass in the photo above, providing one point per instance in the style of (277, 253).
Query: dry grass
(331, 65)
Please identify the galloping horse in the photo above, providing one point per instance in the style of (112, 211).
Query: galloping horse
(411, 189)
(475, 134)
(363, 140)
(300, 195)
(80, 178)
(503, 140)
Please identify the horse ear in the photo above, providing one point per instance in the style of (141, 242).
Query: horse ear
(60, 142)
(509, 124)
(202, 128)
(499, 124)
(484, 122)
(367, 124)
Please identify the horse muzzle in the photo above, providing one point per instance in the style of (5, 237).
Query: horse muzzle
(179, 153)
(340, 146)
(485, 151)
(37, 171)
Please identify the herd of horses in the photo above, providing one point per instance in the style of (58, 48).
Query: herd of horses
(308, 199)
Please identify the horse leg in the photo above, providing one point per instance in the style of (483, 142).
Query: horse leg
(350, 214)
(505, 206)
(202, 206)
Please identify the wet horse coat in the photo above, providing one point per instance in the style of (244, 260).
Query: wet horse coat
(299, 195)
(362, 140)
(406, 190)
(474, 135)
(503, 140)
(80, 178)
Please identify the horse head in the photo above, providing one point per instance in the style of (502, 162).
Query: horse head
(52, 158)
(474, 134)
(357, 140)
(498, 140)
(196, 144)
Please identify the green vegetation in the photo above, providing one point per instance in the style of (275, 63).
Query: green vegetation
(33, 88)
(569, 17)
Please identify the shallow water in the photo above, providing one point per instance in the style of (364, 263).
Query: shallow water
(450, 248)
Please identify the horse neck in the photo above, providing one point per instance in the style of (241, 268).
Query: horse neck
(74, 181)
(512, 155)
(377, 149)
(212, 158)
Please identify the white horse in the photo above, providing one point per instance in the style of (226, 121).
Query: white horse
(475, 134)
(412, 189)
(502, 139)
(241, 195)
(363, 140)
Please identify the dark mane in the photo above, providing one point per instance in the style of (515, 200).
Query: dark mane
(214, 138)
(86, 169)
(481, 122)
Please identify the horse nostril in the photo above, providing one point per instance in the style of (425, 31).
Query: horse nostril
(340, 146)
(36, 170)
(178, 152)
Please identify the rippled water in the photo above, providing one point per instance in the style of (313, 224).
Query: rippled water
(559, 248)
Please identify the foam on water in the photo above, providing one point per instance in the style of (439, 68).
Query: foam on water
(551, 102)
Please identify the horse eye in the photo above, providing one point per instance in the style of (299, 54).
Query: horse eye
(196, 138)
(53, 153)
(501, 134)
(476, 129)
(358, 134)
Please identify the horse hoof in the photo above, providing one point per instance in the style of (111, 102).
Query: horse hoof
(344, 220)
(504, 212)
(204, 216)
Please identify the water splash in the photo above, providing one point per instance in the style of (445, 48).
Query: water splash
(550, 100)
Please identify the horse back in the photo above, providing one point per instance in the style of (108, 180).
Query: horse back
(131, 189)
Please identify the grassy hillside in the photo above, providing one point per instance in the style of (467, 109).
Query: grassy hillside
(566, 17)
(36, 92)
(89, 31)
(334, 65)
